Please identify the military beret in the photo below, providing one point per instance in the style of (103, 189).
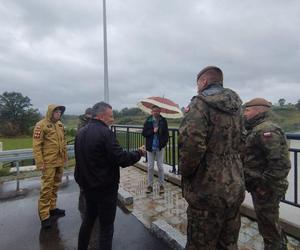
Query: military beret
(258, 102)
(209, 68)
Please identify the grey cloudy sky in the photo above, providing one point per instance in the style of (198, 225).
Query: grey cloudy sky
(52, 51)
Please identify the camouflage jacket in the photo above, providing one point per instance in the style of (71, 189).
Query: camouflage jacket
(83, 120)
(209, 149)
(266, 160)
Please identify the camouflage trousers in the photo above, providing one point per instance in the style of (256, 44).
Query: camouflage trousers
(213, 229)
(267, 213)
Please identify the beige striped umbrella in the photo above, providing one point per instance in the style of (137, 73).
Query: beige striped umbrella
(169, 109)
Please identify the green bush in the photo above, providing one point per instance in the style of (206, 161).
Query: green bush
(4, 171)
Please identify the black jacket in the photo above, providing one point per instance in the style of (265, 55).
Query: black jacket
(163, 133)
(98, 156)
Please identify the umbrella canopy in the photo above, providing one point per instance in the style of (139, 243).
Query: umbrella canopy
(169, 109)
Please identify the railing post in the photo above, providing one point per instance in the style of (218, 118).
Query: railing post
(127, 138)
(17, 177)
(173, 153)
(178, 168)
(1, 149)
(296, 177)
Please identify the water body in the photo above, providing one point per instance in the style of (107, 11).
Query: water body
(291, 177)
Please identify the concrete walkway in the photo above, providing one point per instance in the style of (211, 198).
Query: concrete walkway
(20, 225)
(171, 207)
(164, 215)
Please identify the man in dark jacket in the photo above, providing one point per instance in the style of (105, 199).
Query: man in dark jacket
(98, 157)
(156, 132)
(210, 137)
(266, 164)
(83, 120)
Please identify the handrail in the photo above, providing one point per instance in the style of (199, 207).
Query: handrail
(293, 136)
(24, 154)
(130, 138)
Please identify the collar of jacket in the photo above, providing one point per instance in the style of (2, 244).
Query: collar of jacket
(212, 89)
(99, 121)
(258, 119)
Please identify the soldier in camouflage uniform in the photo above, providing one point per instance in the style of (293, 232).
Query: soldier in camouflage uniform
(266, 165)
(210, 164)
(85, 118)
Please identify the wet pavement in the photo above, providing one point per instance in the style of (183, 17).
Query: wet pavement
(171, 207)
(20, 225)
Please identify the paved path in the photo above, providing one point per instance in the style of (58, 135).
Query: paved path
(20, 226)
(171, 207)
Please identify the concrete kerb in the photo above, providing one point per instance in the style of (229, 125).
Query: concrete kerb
(13, 194)
(246, 210)
(125, 197)
(288, 226)
(168, 234)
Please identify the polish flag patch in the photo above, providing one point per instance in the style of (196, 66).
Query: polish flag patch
(267, 134)
(37, 133)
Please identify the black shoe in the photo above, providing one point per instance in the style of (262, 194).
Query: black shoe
(149, 190)
(57, 212)
(46, 224)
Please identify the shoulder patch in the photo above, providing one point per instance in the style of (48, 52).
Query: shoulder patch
(37, 134)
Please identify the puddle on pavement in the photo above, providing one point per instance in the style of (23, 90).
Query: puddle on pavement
(169, 206)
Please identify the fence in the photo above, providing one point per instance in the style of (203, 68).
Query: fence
(130, 137)
(16, 156)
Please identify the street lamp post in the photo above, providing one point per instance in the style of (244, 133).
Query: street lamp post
(106, 91)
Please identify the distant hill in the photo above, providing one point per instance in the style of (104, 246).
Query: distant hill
(288, 117)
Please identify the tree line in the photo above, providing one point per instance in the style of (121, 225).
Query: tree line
(18, 117)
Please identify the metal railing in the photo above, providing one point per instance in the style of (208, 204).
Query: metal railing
(130, 137)
(295, 157)
(16, 156)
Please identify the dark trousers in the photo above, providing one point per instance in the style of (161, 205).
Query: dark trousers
(101, 203)
(267, 213)
(213, 228)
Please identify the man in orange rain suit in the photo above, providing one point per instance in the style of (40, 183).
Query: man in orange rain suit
(50, 153)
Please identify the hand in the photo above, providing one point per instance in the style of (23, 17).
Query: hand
(43, 168)
(143, 149)
(155, 130)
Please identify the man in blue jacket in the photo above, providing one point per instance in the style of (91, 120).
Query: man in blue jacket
(156, 132)
(98, 157)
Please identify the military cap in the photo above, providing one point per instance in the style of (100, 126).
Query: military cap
(88, 111)
(209, 68)
(258, 102)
